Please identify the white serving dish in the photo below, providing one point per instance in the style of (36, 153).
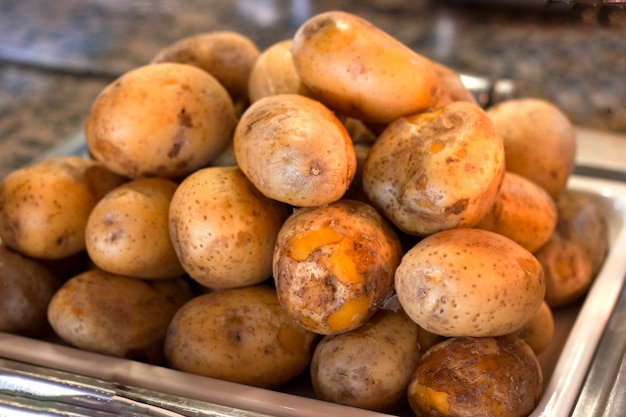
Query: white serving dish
(579, 328)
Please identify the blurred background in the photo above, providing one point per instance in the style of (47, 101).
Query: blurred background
(55, 57)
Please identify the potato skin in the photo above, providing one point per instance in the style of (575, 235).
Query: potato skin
(477, 377)
(333, 265)
(128, 230)
(44, 207)
(223, 229)
(436, 170)
(452, 87)
(164, 120)
(98, 311)
(358, 70)
(523, 211)
(240, 335)
(469, 282)
(539, 330)
(26, 288)
(295, 150)
(369, 367)
(539, 141)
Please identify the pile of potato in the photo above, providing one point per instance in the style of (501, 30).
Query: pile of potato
(336, 203)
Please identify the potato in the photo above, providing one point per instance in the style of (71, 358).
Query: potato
(44, 207)
(469, 282)
(295, 150)
(575, 252)
(274, 73)
(368, 367)
(228, 56)
(452, 87)
(477, 377)
(539, 330)
(223, 229)
(358, 70)
(164, 120)
(523, 211)
(333, 265)
(436, 170)
(539, 141)
(240, 335)
(26, 288)
(128, 231)
(120, 316)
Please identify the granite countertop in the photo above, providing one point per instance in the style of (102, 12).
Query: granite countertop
(55, 57)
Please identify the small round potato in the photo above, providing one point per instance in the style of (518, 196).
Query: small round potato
(223, 229)
(26, 288)
(469, 282)
(44, 207)
(240, 335)
(164, 120)
(539, 141)
(539, 330)
(477, 377)
(452, 87)
(295, 150)
(436, 170)
(98, 311)
(523, 211)
(358, 70)
(334, 265)
(128, 231)
(369, 367)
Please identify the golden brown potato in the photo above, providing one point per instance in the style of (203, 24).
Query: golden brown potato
(539, 141)
(369, 367)
(274, 73)
(128, 230)
(116, 315)
(469, 282)
(577, 248)
(228, 56)
(333, 265)
(26, 288)
(358, 70)
(523, 211)
(44, 207)
(223, 229)
(436, 170)
(477, 377)
(452, 87)
(539, 330)
(295, 150)
(164, 120)
(240, 335)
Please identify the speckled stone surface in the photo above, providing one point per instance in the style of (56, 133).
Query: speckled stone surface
(56, 56)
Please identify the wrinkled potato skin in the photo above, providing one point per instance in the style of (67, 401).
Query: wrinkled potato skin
(295, 150)
(128, 230)
(523, 211)
(576, 250)
(539, 330)
(240, 335)
(223, 229)
(539, 141)
(44, 207)
(452, 87)
(116, 315)
(26, 288)
(369, 367)
(228, 56)
(477, 377)
(469, 282)
(160, 120)
(333, 265)
(274, 73)
(436, 170)
(358, 70)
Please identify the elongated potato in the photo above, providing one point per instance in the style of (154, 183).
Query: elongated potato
(295, 150)
(359, 70)
(333, 265)
(369, 367)
(436, 170)
(469, 282)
